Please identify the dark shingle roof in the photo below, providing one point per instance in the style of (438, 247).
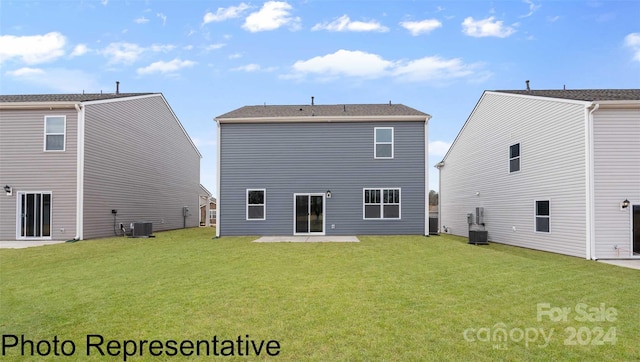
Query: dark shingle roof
(333, 110)
(64, 97)
(589, 95)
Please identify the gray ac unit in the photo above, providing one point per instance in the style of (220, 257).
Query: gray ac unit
(141, 229)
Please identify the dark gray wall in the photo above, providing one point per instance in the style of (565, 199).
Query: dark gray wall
(288, 158)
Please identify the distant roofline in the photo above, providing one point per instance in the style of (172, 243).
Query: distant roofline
(582, 95)
(378, 112)
(61, 100)
(324, 119)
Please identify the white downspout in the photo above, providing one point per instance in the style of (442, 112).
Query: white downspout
(426, 175)
(218, 184)
(590, 197)
(80, 174)
(439, 166)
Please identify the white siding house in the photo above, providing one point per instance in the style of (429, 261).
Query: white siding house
(554, 170)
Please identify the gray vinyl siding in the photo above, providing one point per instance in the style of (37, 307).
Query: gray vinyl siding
(288, 158)
(25, 166)
(138, 161)
(552, 167)
(616, 154)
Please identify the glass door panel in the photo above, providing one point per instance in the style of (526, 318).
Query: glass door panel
(316, 218)
(302, 213)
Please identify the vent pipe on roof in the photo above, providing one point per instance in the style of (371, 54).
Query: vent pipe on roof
(117, 87)
(312, 97)
(528, 89)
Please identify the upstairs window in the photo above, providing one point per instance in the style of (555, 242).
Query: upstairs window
(381, 204)
(54, 133)
(383, 142)
(514, 158)
(256, 204)
(542, 216)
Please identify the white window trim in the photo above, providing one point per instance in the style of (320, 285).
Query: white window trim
(64, 134)
(536, 216)
(376, 143)
(513, 158)
(324, 214)
(381, 189)
(264, 205)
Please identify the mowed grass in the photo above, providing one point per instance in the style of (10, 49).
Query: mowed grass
(387, 298)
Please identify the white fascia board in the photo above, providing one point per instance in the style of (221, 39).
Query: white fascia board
(532, 96)
(324, 119)
(38, 105)
(627, 104)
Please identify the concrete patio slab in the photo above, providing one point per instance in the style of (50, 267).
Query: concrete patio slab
(628, 263)
(20, 244)
(307, 239)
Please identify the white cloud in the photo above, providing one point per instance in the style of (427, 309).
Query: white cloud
(225, 13)
(532, 8)
(438, 148)
(421, 27)
(632, 41)
(141, 20)
(254, 68)
(235, 56)
(122, 52)
(217, 46)
(25, 72)
(486, 27)
(359, 64)
(32, 49)
(165, 67)
(433, 68)
(128, 53)
(343, 23)
(104, 2)
(345, 63)
(57, 79)
(79, 50)
(273, 15)
(161, 47)
(163, 17)
(248, 68)
(553, 19)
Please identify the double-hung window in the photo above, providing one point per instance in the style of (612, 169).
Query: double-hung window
(381, 204)
(514, 158)
(542, 216)
(383, 142)
(54, 133)
(256, 202)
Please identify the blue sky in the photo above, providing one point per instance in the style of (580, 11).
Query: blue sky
(210, 57)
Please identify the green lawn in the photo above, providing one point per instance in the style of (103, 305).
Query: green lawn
(392, 298)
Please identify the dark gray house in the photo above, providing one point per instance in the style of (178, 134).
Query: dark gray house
(75, 166)
(349, 169)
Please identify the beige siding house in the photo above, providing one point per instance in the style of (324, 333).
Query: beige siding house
(554, 170)
(76, 166)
